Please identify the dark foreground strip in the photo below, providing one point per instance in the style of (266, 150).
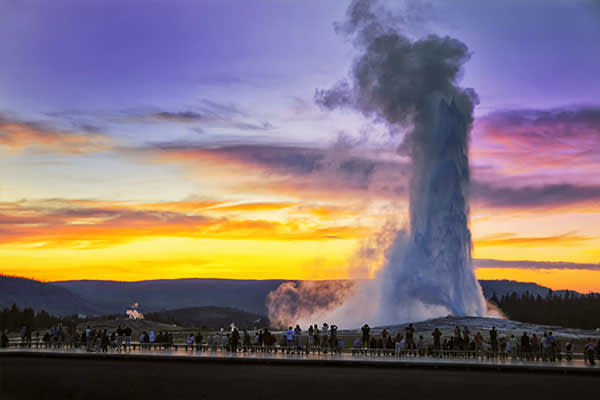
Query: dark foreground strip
(332, 362)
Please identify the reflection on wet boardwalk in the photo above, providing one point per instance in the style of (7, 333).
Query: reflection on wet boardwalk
(333, 359)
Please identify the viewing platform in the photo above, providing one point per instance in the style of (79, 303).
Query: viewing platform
(447, 361)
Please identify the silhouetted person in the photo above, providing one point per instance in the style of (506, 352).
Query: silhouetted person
(389, 344)
(494, 339)
(525, 346)
(246, 340)
(297, 335)
(589, 350)
(333, 337)
(289, 335)
(421, 346)
(569, 349)
(409, 337)
(372, 344)
(235, 339)
(4, 339)
(310, 339)
(379, 346)
(366, 330)
(466, 334)
(552, 350)
(437, 335)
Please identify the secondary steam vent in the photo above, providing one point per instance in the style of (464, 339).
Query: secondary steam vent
(413, 83)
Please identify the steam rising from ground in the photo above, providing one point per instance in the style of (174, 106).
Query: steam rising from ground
(410, 85)
(301, 302)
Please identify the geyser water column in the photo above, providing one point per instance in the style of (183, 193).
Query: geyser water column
(412, 84)
(435, 266)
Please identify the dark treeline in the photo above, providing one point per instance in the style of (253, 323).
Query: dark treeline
(569, 310)
(12, 319)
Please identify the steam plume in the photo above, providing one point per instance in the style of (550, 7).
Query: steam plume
(412, 85)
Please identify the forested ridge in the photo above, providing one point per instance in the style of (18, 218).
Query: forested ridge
(569, 310)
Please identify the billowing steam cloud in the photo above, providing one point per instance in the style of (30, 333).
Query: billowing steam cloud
(412, 85)
(299, 302)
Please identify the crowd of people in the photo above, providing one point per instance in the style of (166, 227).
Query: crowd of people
(325, 339)
(462, 343)
(60, 336)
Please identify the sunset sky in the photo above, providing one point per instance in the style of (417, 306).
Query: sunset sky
(167, 139)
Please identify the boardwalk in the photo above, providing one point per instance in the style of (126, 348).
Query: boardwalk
(180, 375)
(343, 359)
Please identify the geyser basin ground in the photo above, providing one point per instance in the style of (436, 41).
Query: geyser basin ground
(483, 325)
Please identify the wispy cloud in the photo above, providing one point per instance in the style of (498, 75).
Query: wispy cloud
(310, 172)
(512, 239)
(526, 141)
(17, 135)
(209, 114)
(93, 224)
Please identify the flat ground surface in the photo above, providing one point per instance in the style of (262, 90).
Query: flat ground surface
(27, 377)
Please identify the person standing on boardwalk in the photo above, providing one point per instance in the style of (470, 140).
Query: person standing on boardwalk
(588, 352)
(297, 336)
(4, 339)
(410, 339)
(324, 335)
(289, 336)
(437, 335)
(333, 344)
(310, 339)
(514, 347)
(246, 341)
(525, 349)
(366, 330)
(494, 339)
(235, 340)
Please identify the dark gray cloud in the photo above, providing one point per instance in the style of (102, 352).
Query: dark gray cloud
(395, 79)
(181, 116)
(534, 196)
(525, 264)
(317, 167)
(362, 172)
(543, 128)
(212, 114)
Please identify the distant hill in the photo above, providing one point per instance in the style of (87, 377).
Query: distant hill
(160, 295)
(247, 295)
(111, 297)
(210, 317)
(40, 295)
(506, 287)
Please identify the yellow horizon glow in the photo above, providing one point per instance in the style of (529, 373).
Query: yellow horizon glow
(174, 258)
(178, 258)
(581, 280)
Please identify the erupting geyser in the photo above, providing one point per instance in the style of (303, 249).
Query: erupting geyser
(413, 83)
(434, 267)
